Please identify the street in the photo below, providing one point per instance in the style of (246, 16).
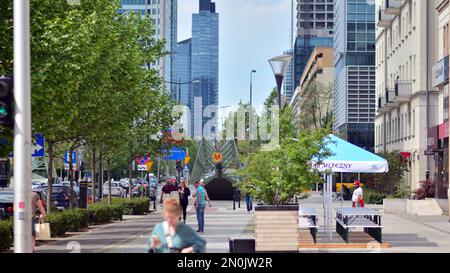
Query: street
(131, 234)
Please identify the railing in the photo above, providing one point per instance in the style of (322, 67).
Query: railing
(403, 88)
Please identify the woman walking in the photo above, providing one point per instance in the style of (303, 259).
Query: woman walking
(171, 236)
(184, 195)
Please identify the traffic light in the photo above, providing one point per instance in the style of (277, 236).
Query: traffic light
(6, 101)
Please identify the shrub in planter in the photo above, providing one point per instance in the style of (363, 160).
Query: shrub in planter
(135, 206)
(75, 219)
(374, 197)
(117, 211)
(58, 224)
(100, 213)
(6, 235)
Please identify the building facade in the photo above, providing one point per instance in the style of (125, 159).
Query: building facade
(441, 80)
(354, 62)
(183, 54)
(164, 19)
(314, 28)
(317, 76)
(407, 103)
(288, 83)
(205, 63)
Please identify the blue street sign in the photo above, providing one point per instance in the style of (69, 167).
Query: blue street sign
(175, 154)
(74, 157)
(39, 149)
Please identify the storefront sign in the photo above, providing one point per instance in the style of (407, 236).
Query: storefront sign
(433, 134)
(440, 72)
(443, 130)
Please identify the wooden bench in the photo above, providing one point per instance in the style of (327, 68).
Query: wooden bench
(351, 218)
(308, 220)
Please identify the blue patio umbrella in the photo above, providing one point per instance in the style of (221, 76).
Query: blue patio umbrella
(349, 158)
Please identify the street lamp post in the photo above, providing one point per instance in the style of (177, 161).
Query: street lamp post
(22, 128)
(251, 85)
(279, 66)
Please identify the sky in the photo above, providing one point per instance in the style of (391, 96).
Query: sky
(250, 33)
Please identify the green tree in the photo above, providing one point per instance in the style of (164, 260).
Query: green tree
(393, 182)
(275, 177)
(316, 107)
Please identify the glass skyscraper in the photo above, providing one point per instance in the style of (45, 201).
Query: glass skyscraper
(354, 61)
(183, 71)
(164, 18)
(288, 84)
(205, 60)
(314, 29)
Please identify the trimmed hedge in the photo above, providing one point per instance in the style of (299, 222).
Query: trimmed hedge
(72, 220)
(6, 235)
(135, 206)
(100, 213)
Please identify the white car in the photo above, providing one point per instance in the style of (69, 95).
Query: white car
(116, 189)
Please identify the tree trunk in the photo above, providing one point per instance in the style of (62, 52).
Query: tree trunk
(130, 176)
(93, 174)
(100, 174)
(50, 175)
(109, 181)
(71, 177)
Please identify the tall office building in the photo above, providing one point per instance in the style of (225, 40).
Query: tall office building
(182, 62)
(288, 84)
(314, 29)
(354, 81)
(164, 18)
(205, 60)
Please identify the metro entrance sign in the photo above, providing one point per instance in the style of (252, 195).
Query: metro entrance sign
(217, 158)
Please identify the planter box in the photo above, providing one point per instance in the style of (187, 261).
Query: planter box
(395, 206)
(425, 207)
(443, 204)
(414, 207)
(276, 228)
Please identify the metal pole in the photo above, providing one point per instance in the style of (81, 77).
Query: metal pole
(251, 86)
(22, 128)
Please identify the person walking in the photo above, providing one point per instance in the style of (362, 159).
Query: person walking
(184, 198)
(358, 195)
(171, 236)
(249, 202)
(168, 188)
(36, 202)
(200, 205)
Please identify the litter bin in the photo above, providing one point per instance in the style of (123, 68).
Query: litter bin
(241, 245)
(83, 195)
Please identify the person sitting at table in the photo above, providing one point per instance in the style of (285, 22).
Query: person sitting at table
(357, 197)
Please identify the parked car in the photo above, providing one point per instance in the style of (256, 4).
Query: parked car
(116, 189)
(6, 204)
(89, 196)
(61, 196)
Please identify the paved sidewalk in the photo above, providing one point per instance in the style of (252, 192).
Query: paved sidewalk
(132, 234)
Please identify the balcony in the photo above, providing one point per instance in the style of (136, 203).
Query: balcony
(403, 90)
(393, 7)
(390, 99)
(384, 20)
(382, 105)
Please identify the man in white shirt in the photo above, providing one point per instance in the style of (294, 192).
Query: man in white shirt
(357, 197)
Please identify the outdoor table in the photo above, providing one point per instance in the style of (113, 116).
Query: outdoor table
(351, 218)
(308, 220)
